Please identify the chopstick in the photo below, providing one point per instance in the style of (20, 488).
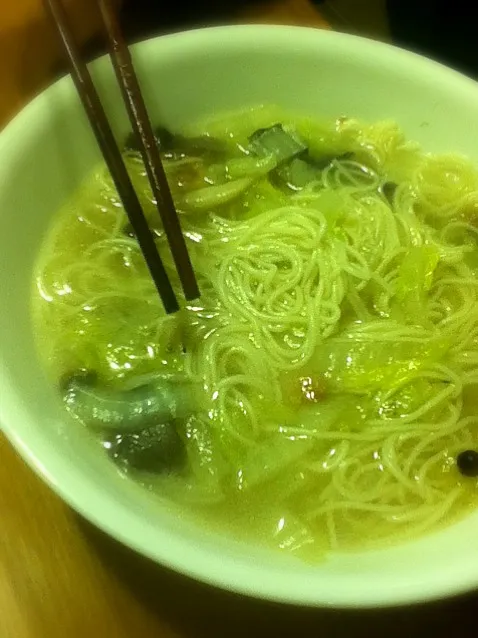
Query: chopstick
(138, 115)
(114, 160)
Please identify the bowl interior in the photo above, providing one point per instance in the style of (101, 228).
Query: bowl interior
(45, 153)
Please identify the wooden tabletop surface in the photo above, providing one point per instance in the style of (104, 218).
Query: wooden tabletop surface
(61, 578)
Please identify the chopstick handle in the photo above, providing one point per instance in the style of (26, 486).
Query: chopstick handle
(105, 138)
(141, 124)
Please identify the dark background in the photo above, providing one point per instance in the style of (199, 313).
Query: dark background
(144, 17)
(446, 30)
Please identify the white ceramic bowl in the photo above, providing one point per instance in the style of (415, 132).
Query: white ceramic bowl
(45, 153)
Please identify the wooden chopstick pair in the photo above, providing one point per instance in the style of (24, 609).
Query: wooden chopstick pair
(136, 108)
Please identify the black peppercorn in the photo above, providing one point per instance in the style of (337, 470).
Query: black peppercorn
(467, 463)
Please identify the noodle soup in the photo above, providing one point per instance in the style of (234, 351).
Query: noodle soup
(320, 393)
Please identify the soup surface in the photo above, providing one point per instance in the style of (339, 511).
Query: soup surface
(320, 395)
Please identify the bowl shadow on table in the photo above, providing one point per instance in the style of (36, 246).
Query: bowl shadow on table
(195, 609)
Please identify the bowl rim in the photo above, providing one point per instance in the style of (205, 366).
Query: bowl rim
(127, 527)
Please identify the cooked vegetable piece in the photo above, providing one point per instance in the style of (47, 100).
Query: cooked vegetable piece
(414, 280)
(204, 199)
(163, 137)
(175, 145)
(274, 140)
(322, 161)
(303, 170)
(131, 143)
(362, 364)
(296, 174)
(334, 412)
(251, 166)
(293, 534)
(205, 460)
(406, 399)
(129, 231)
(284, 529)
(157, 449)
(388, 190)
(270, 458)
(132, 410)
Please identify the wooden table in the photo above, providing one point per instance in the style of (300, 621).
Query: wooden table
(61, 578)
